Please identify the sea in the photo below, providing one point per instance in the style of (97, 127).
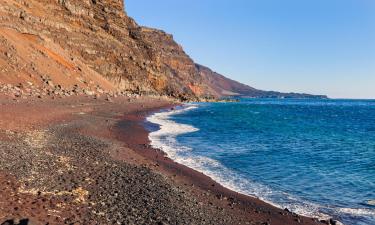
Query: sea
(313, 157)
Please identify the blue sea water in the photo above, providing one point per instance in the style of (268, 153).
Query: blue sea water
(314, 157)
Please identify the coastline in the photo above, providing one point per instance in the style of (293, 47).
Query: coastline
(104, 170)
(203, 185)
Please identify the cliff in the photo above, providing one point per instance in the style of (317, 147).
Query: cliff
(92, 46)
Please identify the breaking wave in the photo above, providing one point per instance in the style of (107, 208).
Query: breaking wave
(165, 140)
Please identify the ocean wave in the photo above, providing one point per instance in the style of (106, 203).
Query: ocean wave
(371, 202)
(165, 140)
(358, 211)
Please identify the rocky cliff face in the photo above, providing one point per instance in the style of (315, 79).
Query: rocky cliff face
(88, 39)
(94, 45)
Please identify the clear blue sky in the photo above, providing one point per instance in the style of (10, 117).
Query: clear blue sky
(313, 46)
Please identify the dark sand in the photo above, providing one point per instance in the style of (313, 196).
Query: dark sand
(85, 161)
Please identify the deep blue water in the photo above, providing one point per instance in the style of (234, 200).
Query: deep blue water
(314, 157)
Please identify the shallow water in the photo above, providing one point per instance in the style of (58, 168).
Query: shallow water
(314, 157)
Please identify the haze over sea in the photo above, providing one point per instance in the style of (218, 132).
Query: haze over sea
(314, 157)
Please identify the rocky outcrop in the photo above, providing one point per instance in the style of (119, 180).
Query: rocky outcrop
(90, 38)
(93, 44)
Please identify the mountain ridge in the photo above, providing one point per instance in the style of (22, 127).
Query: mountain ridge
(74, 46)
(224, 86)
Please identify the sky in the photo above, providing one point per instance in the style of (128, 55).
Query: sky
(311, 46)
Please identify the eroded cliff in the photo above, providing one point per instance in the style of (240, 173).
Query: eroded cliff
(93, 46)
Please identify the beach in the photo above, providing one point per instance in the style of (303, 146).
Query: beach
(80, 160)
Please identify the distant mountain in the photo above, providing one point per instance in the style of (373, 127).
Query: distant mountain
(95, 46)
(222, 86)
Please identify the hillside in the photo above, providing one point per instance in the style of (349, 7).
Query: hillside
(221, 86)
(73, 46)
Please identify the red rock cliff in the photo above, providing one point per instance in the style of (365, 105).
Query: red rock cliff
(93, 44)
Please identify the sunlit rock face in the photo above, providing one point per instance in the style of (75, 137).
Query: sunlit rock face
(94, 42)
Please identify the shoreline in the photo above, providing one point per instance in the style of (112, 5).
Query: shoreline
(216, 178)
(187, 176)
(105, 171)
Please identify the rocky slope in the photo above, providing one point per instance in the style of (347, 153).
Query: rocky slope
(91, 46)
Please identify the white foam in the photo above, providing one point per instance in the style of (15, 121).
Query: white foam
(165, 140)
(371, 202)
(358, 212)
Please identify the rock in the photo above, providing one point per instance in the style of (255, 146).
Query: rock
(328, 221)
(8, 222)
(18, 221)
(88, 92)
(334, 222)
